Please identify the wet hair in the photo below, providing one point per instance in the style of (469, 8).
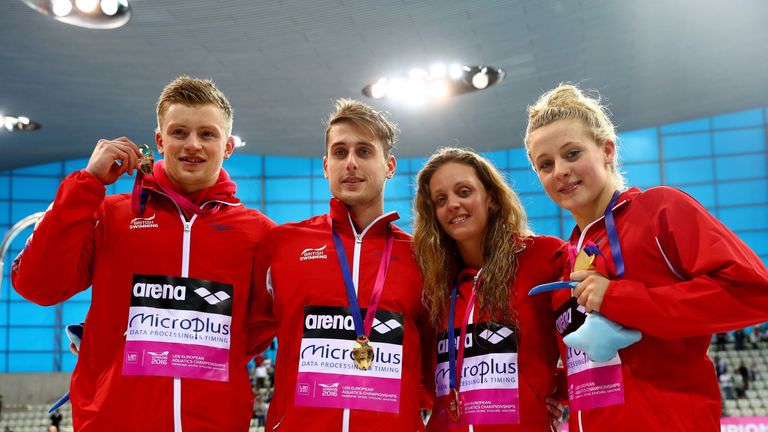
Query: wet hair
(438, 256)
(190, 91)
(566, 102)
(367, 118)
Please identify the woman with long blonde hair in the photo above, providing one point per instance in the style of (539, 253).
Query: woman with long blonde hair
(655, 261)
(479, 259)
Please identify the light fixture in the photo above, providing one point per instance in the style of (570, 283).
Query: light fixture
(419, 85)
(455, 71)
(109, 7)
(61, 8)
(86, 6)
(481, 79)
(17, 123)
(238, 141)
(93, 14)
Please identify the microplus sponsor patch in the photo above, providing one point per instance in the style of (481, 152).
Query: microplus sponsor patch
(178, 327)
(328, 376)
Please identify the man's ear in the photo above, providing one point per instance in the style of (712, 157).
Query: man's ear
(159, 141)
(391, 166)
(229, 147)
(325, 166)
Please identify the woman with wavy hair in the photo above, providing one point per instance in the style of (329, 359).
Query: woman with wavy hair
(497, 347)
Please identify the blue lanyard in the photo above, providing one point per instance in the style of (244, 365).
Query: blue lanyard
(613, 237)
(452, 361)
(452, 337)
(363, 328)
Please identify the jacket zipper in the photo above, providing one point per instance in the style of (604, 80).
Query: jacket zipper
(578, 247)
(186, 238)
(355, 278)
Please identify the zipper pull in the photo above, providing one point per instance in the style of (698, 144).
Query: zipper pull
(477, 276)
(358, 239)
(187, 227)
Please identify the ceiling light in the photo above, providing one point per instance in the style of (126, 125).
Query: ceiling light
(455, 71)
(238, 142)
(415, 92)
(418, 74)
(109, 7)
(419, 86)
(61, 8)
(480, 80)
(20, 123)
(396, 89)
(437, 70)
(86, 6)
(379, 88)
(93, 14)
(438, 89)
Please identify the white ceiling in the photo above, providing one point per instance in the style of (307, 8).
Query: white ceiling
(283, 63)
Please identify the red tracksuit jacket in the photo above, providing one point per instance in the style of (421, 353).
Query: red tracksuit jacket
(298, 265)
(686, 276)
(540, 262)
(86, 239)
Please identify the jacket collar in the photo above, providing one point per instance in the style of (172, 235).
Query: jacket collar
(625, 198)
(223, 190)
(344, 222)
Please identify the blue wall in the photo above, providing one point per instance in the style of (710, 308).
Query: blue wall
(722, 161)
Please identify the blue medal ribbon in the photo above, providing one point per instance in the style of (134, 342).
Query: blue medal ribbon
(363, 328)
(455, 363)
(613, 237)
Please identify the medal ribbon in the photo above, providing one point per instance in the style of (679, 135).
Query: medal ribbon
(139, 195)
(454, 363)
(363, 328)
(613, 237)
(613, 240)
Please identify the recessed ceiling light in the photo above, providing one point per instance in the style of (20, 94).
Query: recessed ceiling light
(86, 6)
(61, 8)
(17, 123)
(110, 7)
(93, 14)
(419, 85)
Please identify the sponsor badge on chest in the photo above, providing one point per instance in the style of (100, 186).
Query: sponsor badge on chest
(328, 375)
(488, 377)
(178, 327)
(590, 384)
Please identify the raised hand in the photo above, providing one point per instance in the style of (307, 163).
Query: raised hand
(591, 288)
(113, 158)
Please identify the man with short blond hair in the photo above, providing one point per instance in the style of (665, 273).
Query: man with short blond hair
(168, 334)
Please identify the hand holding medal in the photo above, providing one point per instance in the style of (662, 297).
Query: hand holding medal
(591, 285)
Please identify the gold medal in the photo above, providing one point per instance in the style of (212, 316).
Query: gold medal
(362, 353)
(454, 406)
(147, 159)
(584, 261)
